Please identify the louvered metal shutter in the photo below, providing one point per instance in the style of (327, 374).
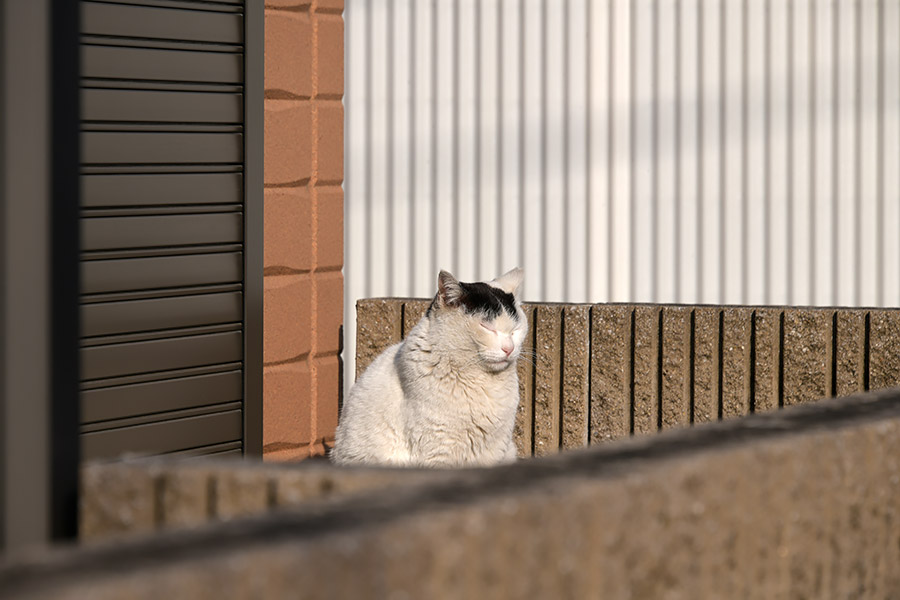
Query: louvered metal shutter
(171, 237)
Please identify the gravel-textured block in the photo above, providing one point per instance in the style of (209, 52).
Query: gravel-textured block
(610, 372)
(523, 432)
(736, 330)
(676, 366)
(808, 345)
(767, 358)
(575, 376)
(378, 326)
(646, 369)
(706, 363)
(548, 370)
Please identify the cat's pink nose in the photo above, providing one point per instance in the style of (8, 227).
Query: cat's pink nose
(507, 347)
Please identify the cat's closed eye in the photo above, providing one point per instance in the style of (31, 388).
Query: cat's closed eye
(488, 327)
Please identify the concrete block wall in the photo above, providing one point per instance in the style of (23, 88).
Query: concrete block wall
(125, 498)
(799, 503)
(303, 225)
(606, 371)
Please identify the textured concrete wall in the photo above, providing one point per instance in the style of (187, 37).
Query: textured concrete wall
(303, 225)
(602, 372)
(142, 496)
(800, 503)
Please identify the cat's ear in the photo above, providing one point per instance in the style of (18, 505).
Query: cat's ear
(449, 290)
(509, 282)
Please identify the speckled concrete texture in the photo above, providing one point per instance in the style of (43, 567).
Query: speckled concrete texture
(547, 373)
(575, 376)
(523, 432)
(116, 502)
(799, 503)
(185, 500)
(610, 414)
(808, 340)
(735, 376)
(645, 369)
(676, 366)
(240, 492)
(884, 349)
(679, 364)
(766, 358)
(378, 326)
(413, 311)
(706, 364)
(850, 351)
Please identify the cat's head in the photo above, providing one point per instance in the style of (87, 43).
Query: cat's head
(484, 317)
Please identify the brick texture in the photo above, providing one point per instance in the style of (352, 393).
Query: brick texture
(304, 225)
(289, 53)
(288, 227)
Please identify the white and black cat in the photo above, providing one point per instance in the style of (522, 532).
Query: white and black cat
(447, 395)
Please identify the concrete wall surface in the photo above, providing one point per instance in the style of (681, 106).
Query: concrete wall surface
(601, 372)
(800, 503)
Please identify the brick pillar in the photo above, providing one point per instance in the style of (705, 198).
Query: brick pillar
(304, 137)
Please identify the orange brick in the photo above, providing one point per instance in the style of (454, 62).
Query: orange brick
(287, 317)
(330, 141)
(288, 228)
(330, 5)
(330, 227)
(330, 311)
(287, 141)
(276, 4)
(289, 52)
(327, 386)
(286, 404)
(331, 55)
(281, 454)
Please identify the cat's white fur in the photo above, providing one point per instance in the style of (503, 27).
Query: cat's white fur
(445, 396)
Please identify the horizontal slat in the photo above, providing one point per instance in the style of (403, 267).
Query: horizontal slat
(160, 355)
(159, 396)
(107, 233)
(157, 417)
(163, 65)
(109, 318)
(227, 448)
(160, 272)
(153, 105)
(146, 336)
(166, 436)
(161, 23)
(147, 190)
(97, 384)
(204, 5)
(110, 147)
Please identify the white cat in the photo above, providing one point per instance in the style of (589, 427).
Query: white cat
(447, 395)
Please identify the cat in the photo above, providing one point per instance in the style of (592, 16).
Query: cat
(447, 395)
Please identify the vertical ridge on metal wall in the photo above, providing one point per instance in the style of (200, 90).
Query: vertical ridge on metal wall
(697, 151)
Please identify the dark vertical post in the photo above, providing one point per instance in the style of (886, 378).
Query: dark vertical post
(39, 287)
(65, 114)
(254, 69)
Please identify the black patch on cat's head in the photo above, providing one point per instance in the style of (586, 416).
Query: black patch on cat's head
(481, 298)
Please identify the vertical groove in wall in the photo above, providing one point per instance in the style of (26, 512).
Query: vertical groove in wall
(701, 151)
(721, 362)
(868, 351)
(781, 360)
(693, 364)
(631, 371)
(752, 375)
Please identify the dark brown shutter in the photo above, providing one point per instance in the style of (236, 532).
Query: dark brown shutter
(170, 227)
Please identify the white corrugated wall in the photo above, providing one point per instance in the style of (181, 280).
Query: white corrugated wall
(715, 151)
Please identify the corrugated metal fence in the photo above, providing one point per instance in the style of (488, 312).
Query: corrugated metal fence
(694, 151)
